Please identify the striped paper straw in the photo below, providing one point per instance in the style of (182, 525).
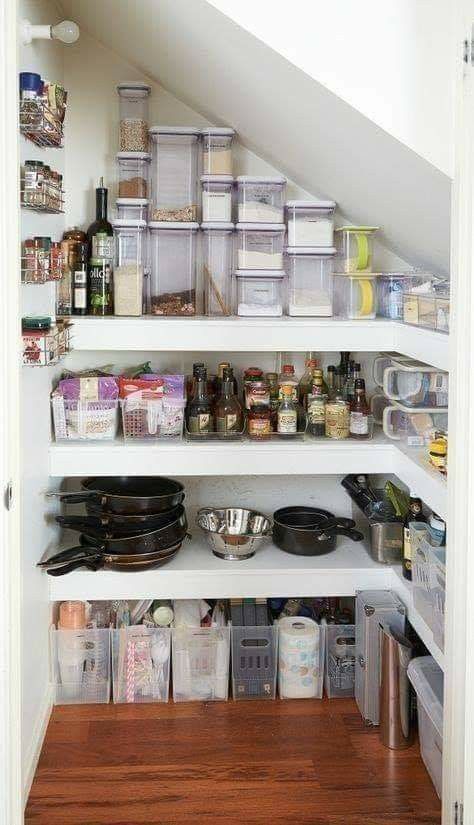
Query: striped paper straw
(130, 683)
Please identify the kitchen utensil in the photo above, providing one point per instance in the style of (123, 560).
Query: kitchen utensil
(134, 495)
(234, 533)
(103, 525)
(309, 531)
(99, 561)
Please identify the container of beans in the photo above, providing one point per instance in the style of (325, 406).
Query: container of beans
(133, 116)
(173, 268)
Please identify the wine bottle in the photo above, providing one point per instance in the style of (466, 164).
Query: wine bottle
(100, 236)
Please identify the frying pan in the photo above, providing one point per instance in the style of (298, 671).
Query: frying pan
(102, 525)
(124, 495)
(309, 531)
(98, 561)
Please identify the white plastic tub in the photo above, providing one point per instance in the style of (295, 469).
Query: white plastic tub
(310, 281)
(260, 292)
(217, 151)
(261, 200)
(259, 246)
(217, 198)
(310, 223)
(427, 680)
(174, 173)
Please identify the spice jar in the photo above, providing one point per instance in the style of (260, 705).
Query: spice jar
(133, 116)
(129, 268)
(316, 412)
(337, 419)
(259, 420)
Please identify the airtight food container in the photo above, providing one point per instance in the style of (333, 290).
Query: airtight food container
(135, 209)
(261, 199)
(217, 264)
(133, 170)
(310, 281)
(354, 246)
(413, 427)
(416, 384)
(260, 292)
(310, 223)
(133, 116)
(173, 268)
(217, 198)
(129, 266)
(217, 151)
(355, 296)
(174, 173)
(260, 246)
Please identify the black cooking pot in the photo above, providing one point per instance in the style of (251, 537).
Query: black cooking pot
(309, 531)
(70, 560)
(104, 525)
(134, 495)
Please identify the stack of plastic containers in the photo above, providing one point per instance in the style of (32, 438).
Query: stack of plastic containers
(310, 253)
(427, 680)
(355, 295)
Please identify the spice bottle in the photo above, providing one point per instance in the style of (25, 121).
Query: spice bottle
(79, 280)
(359, 423)
(56, 262)
(64, 286)
(287, 412)
(318, 383)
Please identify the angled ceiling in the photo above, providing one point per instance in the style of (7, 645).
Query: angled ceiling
(286, 117)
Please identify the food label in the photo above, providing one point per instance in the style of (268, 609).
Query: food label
(102, 246)
(410, 310)
(200, 423)
(337, 421)
(80, 298)
(316, 413)
(260, 426)
(287, 421)
(359, 423)
(227, 423)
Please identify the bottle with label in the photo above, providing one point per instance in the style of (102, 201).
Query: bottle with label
(100, 235)
(331, 382)
(199, 417)
(317, 406)
(337, 419)
(100, 287)
(64, 298)
(287, 378)
(319, 386)
(306, 381)
(272, 381)
(354, 375)
(79, 280)
(359, 420)
(228, 410)
(287, 412)
(414, 513)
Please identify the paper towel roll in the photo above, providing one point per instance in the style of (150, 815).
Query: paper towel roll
(299, 675)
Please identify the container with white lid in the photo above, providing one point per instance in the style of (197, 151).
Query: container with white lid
(354, 246)
(260, 292)
(173, 267)
(310, 223)
(261, 199)
(217, 150)
(129, 268)
(427, 680)
(132, 209)
(416, 384)
(355, 296)
(260, 246)
(133, 169)
(217, 262)
(310, 280)
(217, 197)
(174, 173)
(133, 116)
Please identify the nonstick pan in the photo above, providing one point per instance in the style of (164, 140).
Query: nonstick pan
(102, 525)
(128, 495)
(309, 531)
(98, 561)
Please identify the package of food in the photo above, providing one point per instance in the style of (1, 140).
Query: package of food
(89, 389)
(151, 388)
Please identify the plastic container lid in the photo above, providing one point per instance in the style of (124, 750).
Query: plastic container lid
(323, 251)
(129, 223)
(310, 204)
(134, 85)
(132, 202)
(277, 274)
(174, 130)
(358, 276)
(253, 179)
(427, 679)
(173, 225)
(133, 156)
(261, 227)
(223, 225)
(218, 131)
(217, 179)
(357, 228)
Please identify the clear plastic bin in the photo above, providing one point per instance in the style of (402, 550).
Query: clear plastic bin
(310, 281)
(300, 658)
(427, 680)
(254, 662)
(260, 293)
(141, 664)
(354, 246)
(152, 418)
(200, 663)
(310, 223)
(355, 296)
(81, 666)
(415, 384)
(217, 253)
(416, 428)
(384, 360)
(217, 198)
(173, 268)
(217, 152)
(390, 288)
(442, 312)
(339, 678)
(261, 200)
(174, 173)
(133, 172)
(260, 247)
(133, 116)
(132, 209)
(84, 420)
(129, 267)
(438, 585)
(429, 583)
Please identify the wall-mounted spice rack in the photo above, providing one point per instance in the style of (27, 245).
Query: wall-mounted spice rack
(41, 188)
(41, 261)
(44, 343)
(40, 124)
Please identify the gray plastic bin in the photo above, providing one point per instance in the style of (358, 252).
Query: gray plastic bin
(254, 662)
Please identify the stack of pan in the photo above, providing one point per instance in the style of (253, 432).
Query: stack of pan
(131, 524)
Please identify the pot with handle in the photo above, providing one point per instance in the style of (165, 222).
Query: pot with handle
(104, 525)
(310, 531)
(123, 495)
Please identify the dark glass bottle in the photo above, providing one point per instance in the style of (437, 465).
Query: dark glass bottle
(228, 410)
(414, 513)
(100, 235)
(79, 280)
(359, 419)
(199, 417)
(331, 382)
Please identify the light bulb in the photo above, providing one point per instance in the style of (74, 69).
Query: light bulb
(66, 31)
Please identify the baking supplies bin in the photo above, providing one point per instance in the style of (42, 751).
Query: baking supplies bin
(217, 197)
(133, 116)
(339, 677)
(217, 151)
(81, 420)
(254, 662)
(300, 658)
(129, 268)
(261, 200)
(415, 384)
(355, 296)
(174, 170)
(354, 246)
(133, 170)
(141, 664)
(217, 260)
(200, 663)
(310, 281)
(173, 268)
(260, 247)
(427, 680)
(80, 661)
(260, 292)
(415, 427)
(135, 209)
(310, 223)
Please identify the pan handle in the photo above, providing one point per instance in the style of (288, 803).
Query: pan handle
(72, 554)
(90, 564)
(81, 523)
(79, 497)
(355, 535)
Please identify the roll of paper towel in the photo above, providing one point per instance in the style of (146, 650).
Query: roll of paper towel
(299, 659)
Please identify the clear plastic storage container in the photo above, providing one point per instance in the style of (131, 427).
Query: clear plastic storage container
(390, 289)
(384, 360)
(300, 658)
(217, 254)
(217, 151)
(429, 582)
(355, 296)
(427, 309)
(427, 680)
(415, 427)
(133, 116)
(132, 209)
(174, 173)
(261, 200)
(415, 384)
(217, 198)
(310, 281)
(173, 268)
(254, 662)
(339, 679)
(133, 169)
(141, 664)
(129, 268)
(81, 666)
(260, 292)
(81, 420)
(200, 663)
(354, 246)
(310, 223)
(260, 247)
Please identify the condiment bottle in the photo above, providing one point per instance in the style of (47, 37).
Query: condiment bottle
(287, 412)
(259, 421)
(287, 378)
(200, 419)
(250, 375)
(319, 382)
(414, 513)
(272, 380)
(228, 411)
(306, 381)
(359, 421)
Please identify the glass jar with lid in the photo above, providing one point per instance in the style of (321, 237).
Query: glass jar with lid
(173, 268)
(129, 268)
(217, 254)
(133, 169)
(174, 173)
(261, 199)
(217, 197)
(133, 116)
(217, 150)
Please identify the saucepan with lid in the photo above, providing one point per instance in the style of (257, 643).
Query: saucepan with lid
(309, 531)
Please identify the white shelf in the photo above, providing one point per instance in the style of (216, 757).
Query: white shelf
(404, 590)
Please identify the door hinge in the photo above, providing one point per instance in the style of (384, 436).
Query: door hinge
(8, 496)
(468, 49)
(458, 813)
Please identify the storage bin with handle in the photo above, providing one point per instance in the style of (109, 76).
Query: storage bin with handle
(254, 662)
(416, 427)
(427, 680)
(339, 679)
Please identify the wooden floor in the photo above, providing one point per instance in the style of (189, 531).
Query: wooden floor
(238, 763)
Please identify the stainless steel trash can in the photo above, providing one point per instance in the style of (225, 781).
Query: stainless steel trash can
(395, 722)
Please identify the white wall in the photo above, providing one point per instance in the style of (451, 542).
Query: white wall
(393, 60)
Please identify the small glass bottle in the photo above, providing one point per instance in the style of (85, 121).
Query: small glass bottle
(354, 375)
(287, 378)
(317, 415)
(228, 410)
(199, 417)
(359, 423)
(287, 412)
(306, 381)
(319, 383)
(64, 286)
(331, 381)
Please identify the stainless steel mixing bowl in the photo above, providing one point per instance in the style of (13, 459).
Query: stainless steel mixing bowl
(234, 533)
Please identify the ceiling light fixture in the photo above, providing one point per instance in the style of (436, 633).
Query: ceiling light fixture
(66, 32)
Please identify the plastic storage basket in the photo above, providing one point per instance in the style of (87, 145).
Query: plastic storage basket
(427, 309)
(217, 151)
(310, 281)
(415, 384)
(152, 418)
(81, 666)
(133, 116)
(141, 664)
(261, 200)
(391, 287)
(427, 680)
(310, 223)
(173, 268)
(260, 293)
(354, 246)
(260, 247)
(339, 678)
(200, 663)
(174, 171)
(79, 420)
(355, 296)
(254, 662)
(217, 255)
(429, 583)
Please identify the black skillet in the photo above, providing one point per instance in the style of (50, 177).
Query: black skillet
(128, 495)
(103, 525)
(309, 531)
(97, 561)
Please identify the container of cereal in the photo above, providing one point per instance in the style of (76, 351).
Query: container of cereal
(174, 173)
(133, 116)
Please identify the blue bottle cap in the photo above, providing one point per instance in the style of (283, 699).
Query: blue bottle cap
(30, 81)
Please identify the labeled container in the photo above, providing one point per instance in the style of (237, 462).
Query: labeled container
(260, 247)
(200, 663)
(415, 384)
(355, 296)
(133, 209)
(217, 256)
(260, 292)
(339, 679)
(141, 664)
(354, 246)
(129, 268)
(217, 197)
(81, 666)
(174, 173)
(310, 281)
(173, 268)
(310, 223)
(261, 199)
(254, 662)
(217, 151)
(391, 287)
(415, 427)
(300, 658)
(427, 309)
(427, 680)
(133, 173)
(133, 116)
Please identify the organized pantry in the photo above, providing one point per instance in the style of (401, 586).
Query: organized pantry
(237, 401)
